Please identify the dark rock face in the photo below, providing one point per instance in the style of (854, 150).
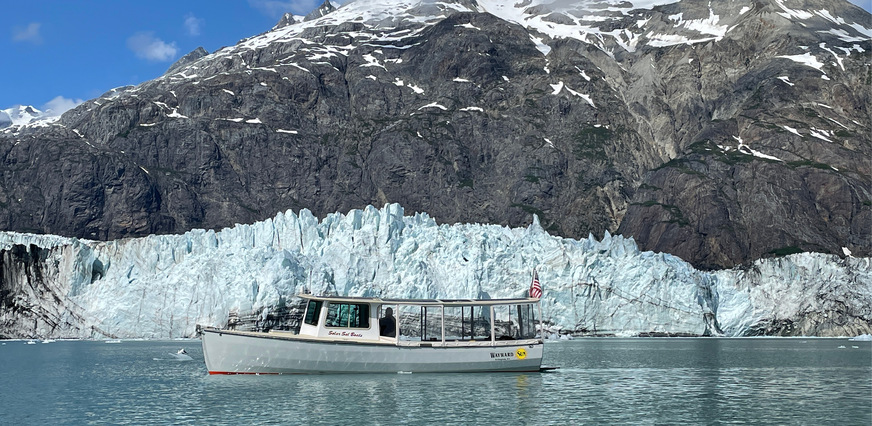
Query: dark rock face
(685, 147)
(322, 10)
(287, 19)
(194, 55)
(33, 301)
(721, 200)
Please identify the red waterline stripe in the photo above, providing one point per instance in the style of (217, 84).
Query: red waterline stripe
(234, 373)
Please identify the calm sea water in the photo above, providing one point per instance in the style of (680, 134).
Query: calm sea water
(638, 381)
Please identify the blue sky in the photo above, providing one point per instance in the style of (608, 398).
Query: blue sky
(60, 52)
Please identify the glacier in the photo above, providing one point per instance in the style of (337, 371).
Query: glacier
(163, 286)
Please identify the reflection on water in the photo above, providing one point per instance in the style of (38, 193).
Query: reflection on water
(600, 381)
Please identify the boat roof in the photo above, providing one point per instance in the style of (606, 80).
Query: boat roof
(418, 302)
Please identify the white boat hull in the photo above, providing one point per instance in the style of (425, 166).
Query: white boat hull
(232, 352)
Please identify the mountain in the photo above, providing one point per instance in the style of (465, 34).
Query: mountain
(719, 132)
(322, 10)
(189, 58)
(18, 115)
(164, 286)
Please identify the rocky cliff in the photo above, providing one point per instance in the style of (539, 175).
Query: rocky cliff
(721, 133)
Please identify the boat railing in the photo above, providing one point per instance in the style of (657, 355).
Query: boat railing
(466, 343)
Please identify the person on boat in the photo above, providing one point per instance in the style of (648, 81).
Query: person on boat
(387, 325)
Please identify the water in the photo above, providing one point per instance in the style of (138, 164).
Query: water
(638, 381)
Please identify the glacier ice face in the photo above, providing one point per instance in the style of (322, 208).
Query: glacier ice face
(163, 286)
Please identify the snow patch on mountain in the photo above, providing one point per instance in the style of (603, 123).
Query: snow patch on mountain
(19, 115)
(792, 13)
(806, 59)
(609, 25)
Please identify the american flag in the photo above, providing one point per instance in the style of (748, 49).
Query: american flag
(535, 287)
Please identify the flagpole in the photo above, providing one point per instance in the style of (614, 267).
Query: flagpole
(541, 323)
(536, 285)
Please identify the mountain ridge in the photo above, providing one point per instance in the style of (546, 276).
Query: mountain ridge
(665, 123)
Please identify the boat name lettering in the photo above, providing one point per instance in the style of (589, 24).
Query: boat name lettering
(502, 354)
(344, 334)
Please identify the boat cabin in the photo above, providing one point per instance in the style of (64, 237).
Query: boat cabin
(423, 322)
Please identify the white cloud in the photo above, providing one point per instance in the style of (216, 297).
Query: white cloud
(146, 46)
(29, 33)
(193, 24)
(59, 105)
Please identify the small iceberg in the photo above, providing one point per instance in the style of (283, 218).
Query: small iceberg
(181, 355)
(30, 342)
(114, 341)
(556, 335)
(862, 338)
(48, 341)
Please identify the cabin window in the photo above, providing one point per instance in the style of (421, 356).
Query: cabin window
(431, 323)
(526, 321)
(387, 324)
(480, 322)
(410, 322)
(467, 323)
(348, 315)
(512, 322)
(313, 311)
(505, 322)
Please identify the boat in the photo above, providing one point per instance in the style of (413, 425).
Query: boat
(364, 335)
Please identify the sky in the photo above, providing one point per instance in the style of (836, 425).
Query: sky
(58, 53)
